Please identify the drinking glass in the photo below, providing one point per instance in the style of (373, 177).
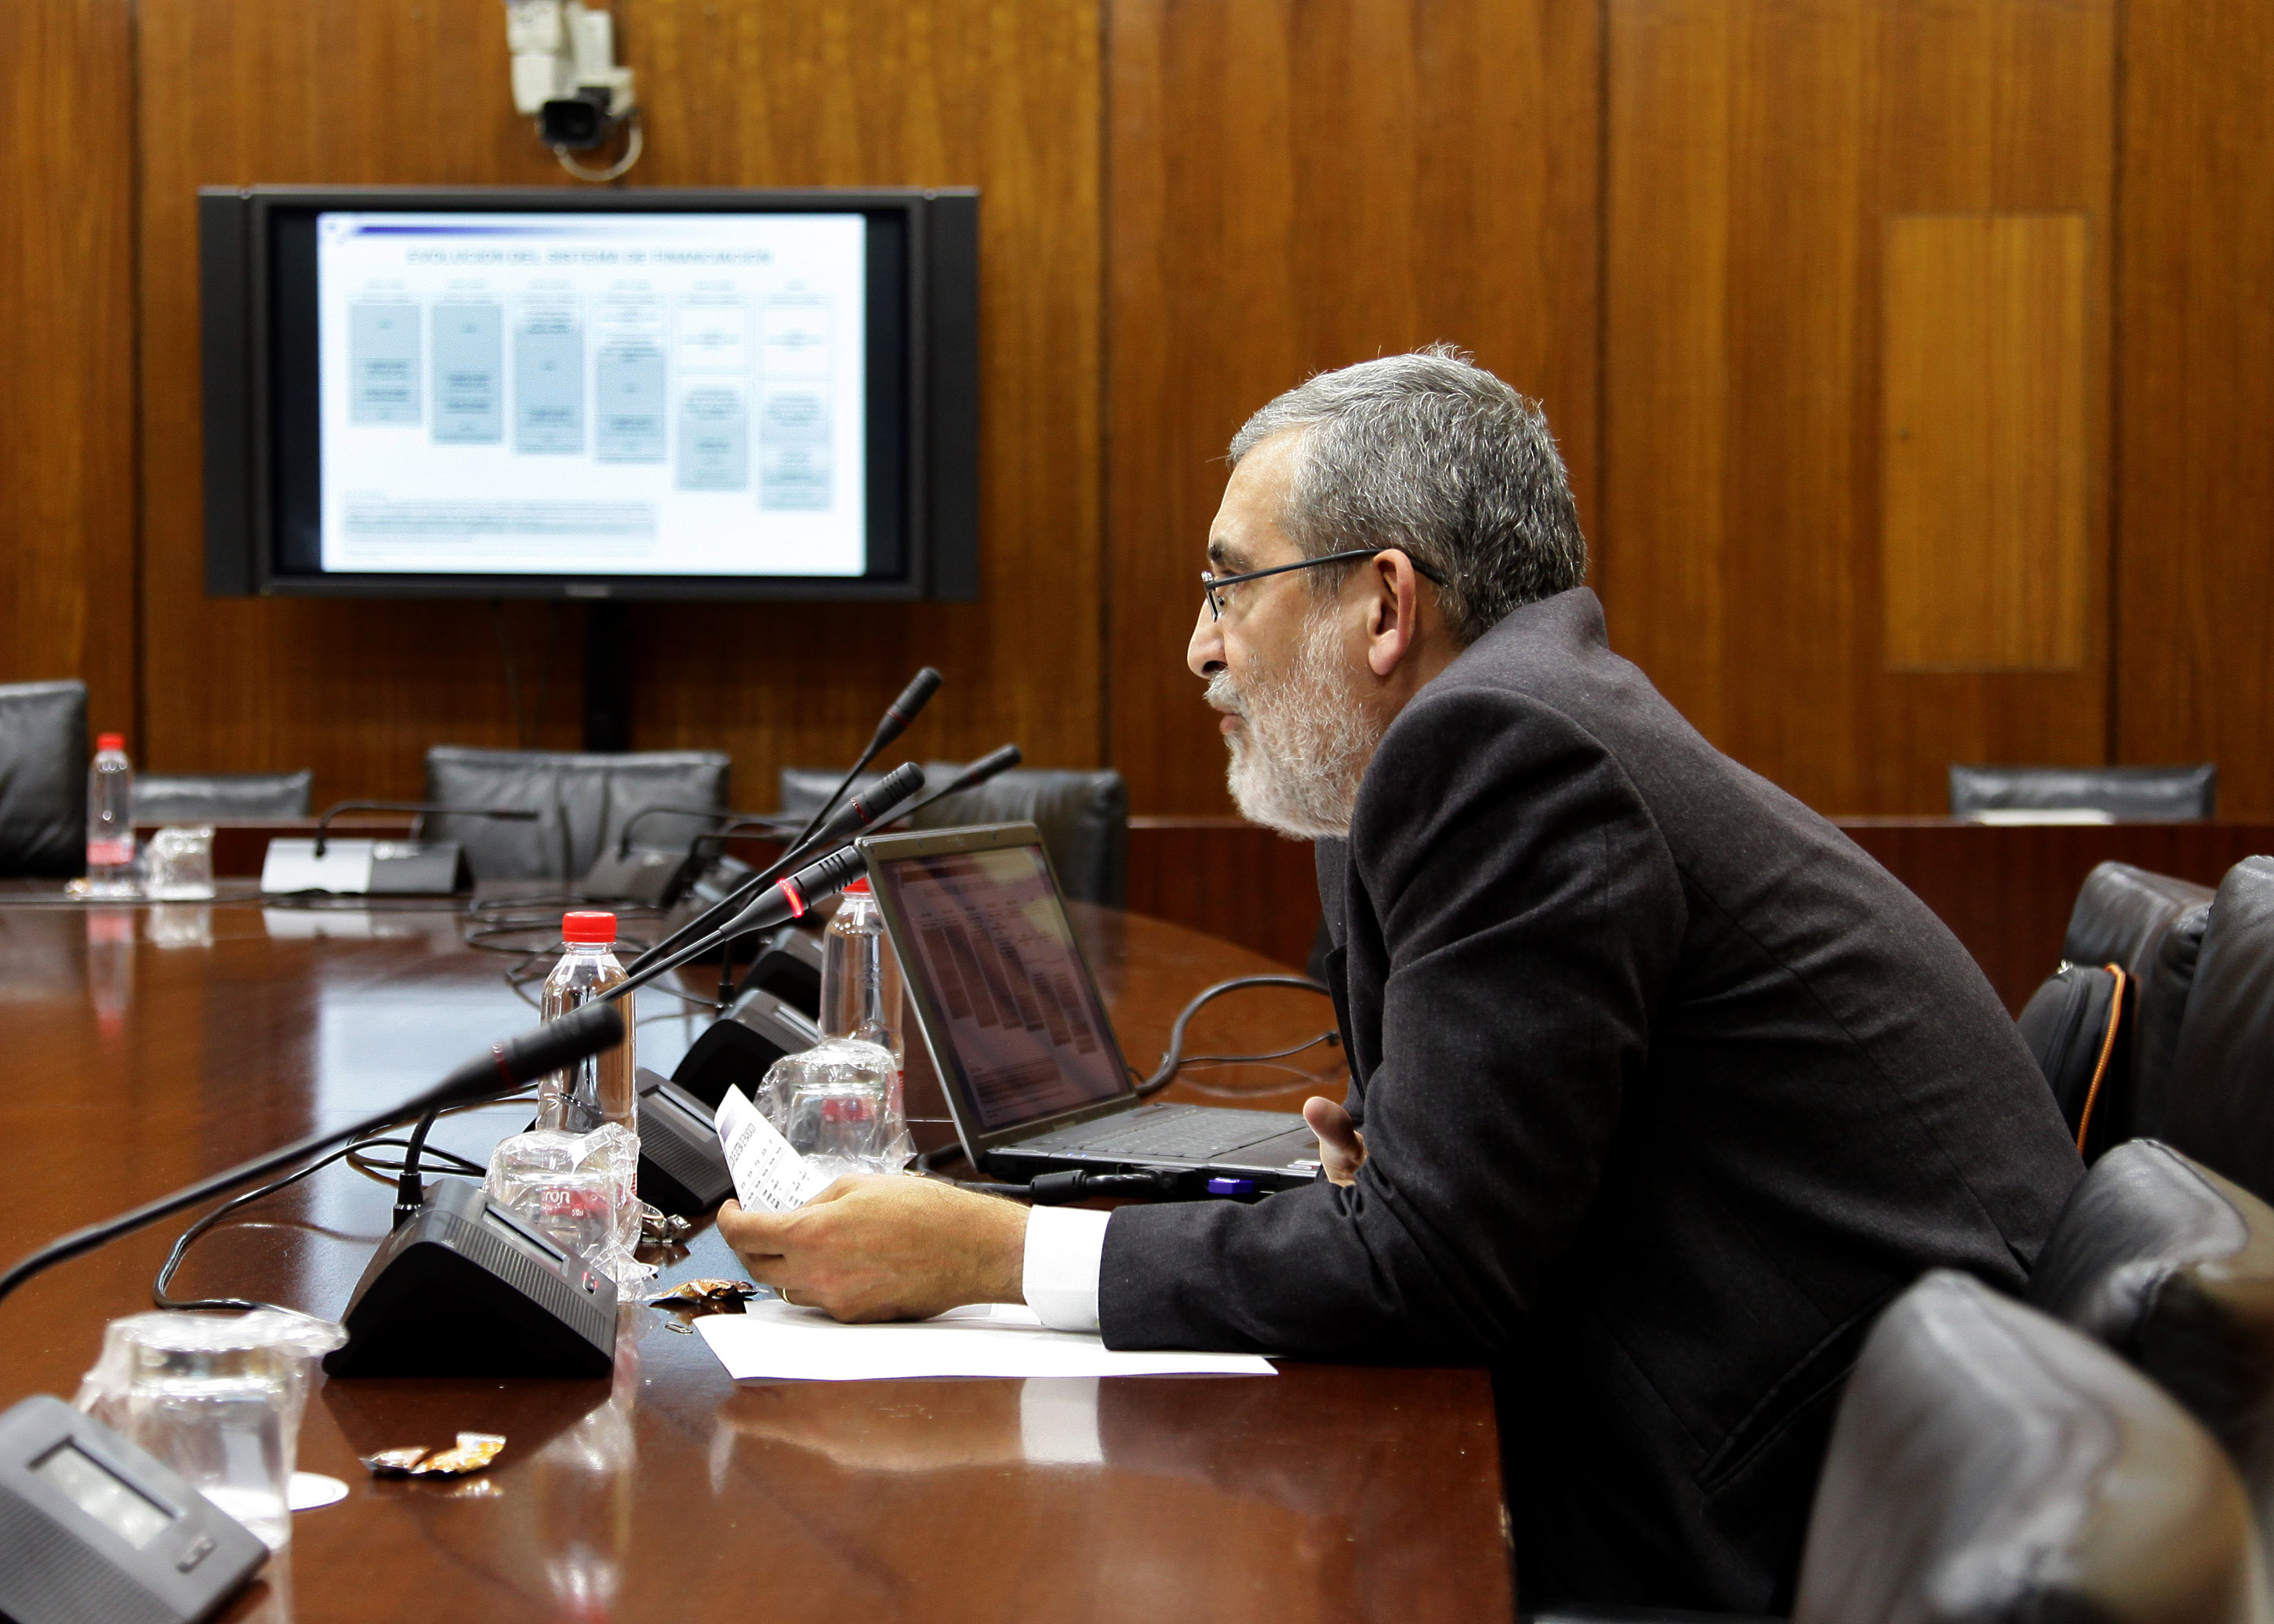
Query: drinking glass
(219, 1398)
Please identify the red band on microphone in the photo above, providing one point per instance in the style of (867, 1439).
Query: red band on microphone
(788, 888)
(497, 1059)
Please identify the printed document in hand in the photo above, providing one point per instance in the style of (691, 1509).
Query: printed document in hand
(773, 1339)
(769, 1174)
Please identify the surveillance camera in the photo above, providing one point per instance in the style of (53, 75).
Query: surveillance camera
(577, 122)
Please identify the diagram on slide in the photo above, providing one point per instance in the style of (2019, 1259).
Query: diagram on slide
(621, 395)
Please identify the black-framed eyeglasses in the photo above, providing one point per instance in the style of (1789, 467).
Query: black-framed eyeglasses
(1212, 583)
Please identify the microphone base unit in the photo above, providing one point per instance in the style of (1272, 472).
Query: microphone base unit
(683, 1168)
(466, 1288)
(366, 867)
(645, 876)
(737, 1051)
(789, 967)
(94, 1526)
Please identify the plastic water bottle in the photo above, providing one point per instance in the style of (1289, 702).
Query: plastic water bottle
(861, 999)
(861, 975)
(602, 1087)
(111, 819)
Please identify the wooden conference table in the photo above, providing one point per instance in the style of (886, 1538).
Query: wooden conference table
(149, 1045)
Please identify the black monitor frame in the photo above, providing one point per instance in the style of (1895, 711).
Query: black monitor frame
(924, 450)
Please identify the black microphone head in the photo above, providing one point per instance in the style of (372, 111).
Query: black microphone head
(559, 1044)
(987, 766)
(895, 786)
(903, 710)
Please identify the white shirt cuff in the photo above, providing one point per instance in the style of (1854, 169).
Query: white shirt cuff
(1066, 1252)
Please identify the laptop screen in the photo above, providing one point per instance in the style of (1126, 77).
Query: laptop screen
(985, 932)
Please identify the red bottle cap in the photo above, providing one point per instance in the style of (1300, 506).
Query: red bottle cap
(858, 888)
(110, 741)
(596, 927)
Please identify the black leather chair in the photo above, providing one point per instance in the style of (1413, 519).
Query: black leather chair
(1992, 1466)
(2121, 914)
(2219, 1106)
(584, 800)
(43, 759)
(2133, 794)
(2160, 1007)
(2172, 1266)
(1084, 816)
(220, 797)
(2122, 917)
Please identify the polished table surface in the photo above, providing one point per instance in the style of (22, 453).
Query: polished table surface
(150, 1045)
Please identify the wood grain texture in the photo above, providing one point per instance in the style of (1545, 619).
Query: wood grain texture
(1983, 547)
(1756, 151)
(186, 1038)
(808, 92)
(1297, 185)
(2195, 570)
(313, 92)
(67, 351)
(1004, 96)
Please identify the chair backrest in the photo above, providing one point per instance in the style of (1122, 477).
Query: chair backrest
(584, 800)
(1990, 1464)
(2172, 1266)
(1084, 816)
(220, 797)
(2161, 1009)
(2149, 794)
(2076, 1026)
(2219, 1105)
(43, 760)
(2121, 914)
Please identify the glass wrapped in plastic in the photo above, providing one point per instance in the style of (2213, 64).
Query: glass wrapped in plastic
(219, 1398)
(578, 1189)
(839, 1104)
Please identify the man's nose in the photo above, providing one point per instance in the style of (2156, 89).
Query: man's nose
(1204, 655)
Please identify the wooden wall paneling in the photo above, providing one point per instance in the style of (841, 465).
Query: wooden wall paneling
(1005, 96)
(2196, 568)
(1296, 184)
(794, 94)
(1741, 555)
(67, 351)
(1986, 442)
(315, 91)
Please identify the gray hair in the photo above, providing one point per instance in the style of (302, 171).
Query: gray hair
(1434, 454)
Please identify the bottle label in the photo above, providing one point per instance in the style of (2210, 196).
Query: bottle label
(109, 853)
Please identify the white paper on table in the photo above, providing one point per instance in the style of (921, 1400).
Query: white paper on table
(773, 1339)
(769, 1174)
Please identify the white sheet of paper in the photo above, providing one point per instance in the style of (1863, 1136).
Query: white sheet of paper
(773, 1339)
(769, 1175)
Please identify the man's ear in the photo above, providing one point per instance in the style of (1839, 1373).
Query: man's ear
(1391, 611)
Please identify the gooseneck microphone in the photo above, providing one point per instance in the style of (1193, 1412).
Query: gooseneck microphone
(985, 768)
(505, 1067)
(520, 815)
(884, 801)
(785, 899)
(894, 722)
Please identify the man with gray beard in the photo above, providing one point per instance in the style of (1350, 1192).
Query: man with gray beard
(1660, 1087)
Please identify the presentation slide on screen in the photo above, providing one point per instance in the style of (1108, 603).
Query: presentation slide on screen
(620, 395)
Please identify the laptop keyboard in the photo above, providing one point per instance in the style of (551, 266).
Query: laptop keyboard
(1167, 1132)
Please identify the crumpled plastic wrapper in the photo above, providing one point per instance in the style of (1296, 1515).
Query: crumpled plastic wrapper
(579, 1189)
(703, 1294)
(472, 1453)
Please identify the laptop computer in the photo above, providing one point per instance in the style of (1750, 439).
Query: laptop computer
(1027, 1058)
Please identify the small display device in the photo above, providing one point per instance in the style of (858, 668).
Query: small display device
(94, 1527)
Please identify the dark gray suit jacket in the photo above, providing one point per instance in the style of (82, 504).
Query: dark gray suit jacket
(1667, 1089)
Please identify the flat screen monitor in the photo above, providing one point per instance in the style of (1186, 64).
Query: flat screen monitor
(529, 393)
